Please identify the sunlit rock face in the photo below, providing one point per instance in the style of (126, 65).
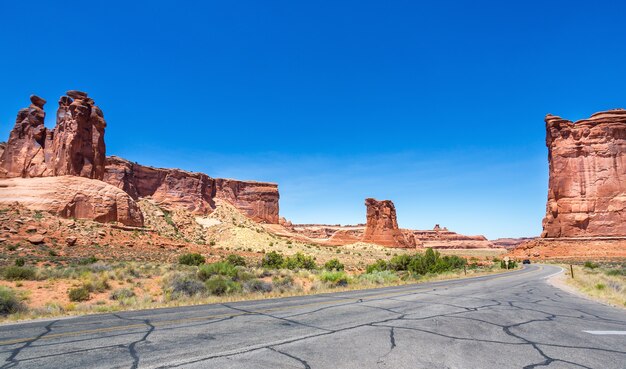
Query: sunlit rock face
(587, 185)
(74, 147)
(382, 225)
(195, 192)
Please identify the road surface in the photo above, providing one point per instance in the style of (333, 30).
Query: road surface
(513, 320)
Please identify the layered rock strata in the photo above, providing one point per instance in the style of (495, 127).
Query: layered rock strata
(196, 192)
(72, 197)
(74, 147)
(587, 176)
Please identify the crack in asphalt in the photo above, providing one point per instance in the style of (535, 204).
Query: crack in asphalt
(132, 347)
(467, 301)
(11, 362)
(303, 362)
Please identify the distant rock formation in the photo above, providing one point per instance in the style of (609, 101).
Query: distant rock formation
(195, 192)
(382, 225)
(441, 238)
(74, 147)
(587, 169)
(72, 197)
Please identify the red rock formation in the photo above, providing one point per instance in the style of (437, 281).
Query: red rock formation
(587, 185)
(196, 192)
(72, 197)
(258, 200)
(382, 225)
(23, 155)
(442, 238)
(74, 147)
(170, 188)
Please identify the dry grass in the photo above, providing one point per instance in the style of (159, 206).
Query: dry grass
(603, 283)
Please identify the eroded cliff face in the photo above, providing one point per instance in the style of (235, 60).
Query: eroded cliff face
(195, 192)
(382, 225)
(74, 147)
(587, 170)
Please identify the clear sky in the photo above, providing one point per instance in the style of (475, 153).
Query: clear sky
(436, 105)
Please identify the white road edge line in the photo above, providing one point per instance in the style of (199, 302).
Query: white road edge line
(553, 274)
(616, 333)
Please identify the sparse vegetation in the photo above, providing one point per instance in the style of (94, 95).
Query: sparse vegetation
(334, 264)
(602, 282)
(78, 294)
(9, 303)
(17, 273)
(236, 260)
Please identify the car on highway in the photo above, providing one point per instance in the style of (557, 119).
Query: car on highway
(526, 261)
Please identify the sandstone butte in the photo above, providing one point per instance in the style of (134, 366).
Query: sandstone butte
(587, 176)
(75, 147)
(382, 225)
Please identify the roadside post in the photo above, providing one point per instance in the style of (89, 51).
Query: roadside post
(571, 269)
(506, 262)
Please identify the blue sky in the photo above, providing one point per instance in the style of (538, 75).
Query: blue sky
(437, 106)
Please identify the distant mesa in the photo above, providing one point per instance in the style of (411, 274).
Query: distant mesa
(587, 176)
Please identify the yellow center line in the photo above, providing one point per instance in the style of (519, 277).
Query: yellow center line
(225, 315)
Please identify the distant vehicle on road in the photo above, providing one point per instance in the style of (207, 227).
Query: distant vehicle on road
(526, 261)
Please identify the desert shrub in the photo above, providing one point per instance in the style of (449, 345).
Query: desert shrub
(273, 260)
(590, 265)
(89, 260)
(96, 282)
(283, 283)
(379, 277)
(191, 259)
(600, 286)
(20, 262)
(257, 285)
(300, 261)
(616, 272)
(220, 285)
(122, 293)
(334, 264)
(236, 260)
(334, 278)
(400, 262)
(18, 273)
(220, 268)
(379, 266)
(12, 247)
(180, 284)
(78, 294)
(9, 303)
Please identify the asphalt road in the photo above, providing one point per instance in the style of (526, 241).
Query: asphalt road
(515, 320)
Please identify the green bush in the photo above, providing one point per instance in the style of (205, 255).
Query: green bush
(78, 294)
(17, 273)
(400, 262)
(236, 260)
(273, 260)
(220, 285)
(337, 278)
(590, 265)
(334, 264)
(191, 259)
(300, 261)
(9, 303)
(20, 262)
(220, 268)
(122, 293)
(379, 266)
